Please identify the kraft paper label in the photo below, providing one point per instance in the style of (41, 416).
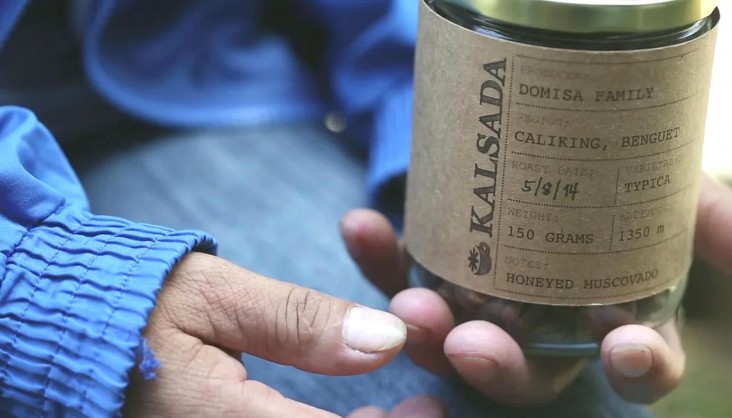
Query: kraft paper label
(555, 176)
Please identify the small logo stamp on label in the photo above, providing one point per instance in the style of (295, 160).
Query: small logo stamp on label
(479, 259)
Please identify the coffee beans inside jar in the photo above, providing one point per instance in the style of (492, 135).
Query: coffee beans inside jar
(555, 162)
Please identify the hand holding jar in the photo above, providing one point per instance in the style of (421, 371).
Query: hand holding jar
(643, 364)
(552, 192)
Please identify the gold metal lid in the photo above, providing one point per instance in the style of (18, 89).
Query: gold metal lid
(593, 16)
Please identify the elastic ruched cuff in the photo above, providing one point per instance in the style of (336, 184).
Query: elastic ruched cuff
(76, 294)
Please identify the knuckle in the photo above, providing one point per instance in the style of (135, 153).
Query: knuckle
(214, 289)
(209, 293)
(206, 297)
(304, 315)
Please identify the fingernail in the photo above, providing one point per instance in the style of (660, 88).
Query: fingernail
(631, 360)
(370, 331)
(420, 407)
(481, 369)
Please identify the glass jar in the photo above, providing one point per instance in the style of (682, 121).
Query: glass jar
(550, 70)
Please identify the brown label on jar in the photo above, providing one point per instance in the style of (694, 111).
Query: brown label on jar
(555, 176)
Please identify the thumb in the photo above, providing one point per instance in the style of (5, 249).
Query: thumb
(198, 380)
(238, 310)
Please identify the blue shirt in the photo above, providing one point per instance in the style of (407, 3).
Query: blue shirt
(76, 288)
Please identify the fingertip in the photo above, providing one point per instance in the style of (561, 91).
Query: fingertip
(485, 339)
(640, 363)
(427, 315)
(371, 331)
(368, 412)
(490, 360)
(420, 407)
(429, 320)
(374, 245)
(263, 401)
(364, 213)
(632, 351)
(361, 223)
(352, 225)
(481, 352)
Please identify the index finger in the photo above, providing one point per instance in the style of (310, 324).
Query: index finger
(238, 310)
(713, 242)
(375, 246)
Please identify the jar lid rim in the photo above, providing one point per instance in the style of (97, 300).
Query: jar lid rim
(594, 16)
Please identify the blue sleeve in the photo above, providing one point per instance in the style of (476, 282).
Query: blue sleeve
(193, 63)
(370, 64)
(10, 12)
(75, 289)
(217, 62)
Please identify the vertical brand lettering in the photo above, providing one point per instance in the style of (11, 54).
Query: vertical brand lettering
(488, 147)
